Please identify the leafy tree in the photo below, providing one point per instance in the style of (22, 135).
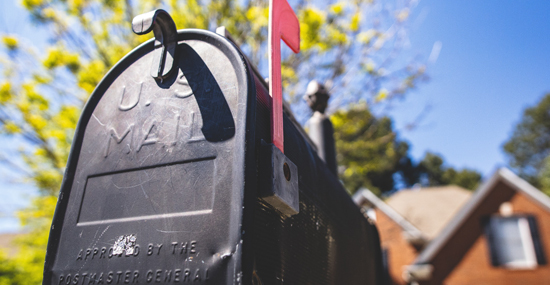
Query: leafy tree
(409, 172)
(353, 44)
(431, 169)
(368, 150)
(8, 270)
(529, 146)
(433, 172)
(371, 155)
(544, 177)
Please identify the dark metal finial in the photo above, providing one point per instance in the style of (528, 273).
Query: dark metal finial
(320, 128)
(317, 96)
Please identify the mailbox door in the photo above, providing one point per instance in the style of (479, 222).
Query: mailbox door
(155, 182)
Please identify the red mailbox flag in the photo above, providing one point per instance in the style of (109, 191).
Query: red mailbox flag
(283, 24)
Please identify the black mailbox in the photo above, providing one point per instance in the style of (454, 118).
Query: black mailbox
(168, 172)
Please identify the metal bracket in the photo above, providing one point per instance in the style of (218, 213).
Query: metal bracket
(279, 180)
(166, 40)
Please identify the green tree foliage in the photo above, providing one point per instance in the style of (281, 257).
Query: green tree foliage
(369, 152)
(528, 148)
(543, 177)
(371, 155)
(42, 90)
(9, 273)
(431, 171)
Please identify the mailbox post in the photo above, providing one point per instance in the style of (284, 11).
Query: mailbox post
(319, 127)
(172, 178)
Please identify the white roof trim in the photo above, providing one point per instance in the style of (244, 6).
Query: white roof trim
(364, 196)
(521, 185)
(504, 175)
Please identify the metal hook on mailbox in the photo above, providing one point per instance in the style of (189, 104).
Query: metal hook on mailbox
(164, 29)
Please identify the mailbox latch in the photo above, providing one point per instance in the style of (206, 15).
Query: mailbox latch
(166, 40)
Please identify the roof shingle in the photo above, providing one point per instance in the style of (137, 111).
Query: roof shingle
(429, 209)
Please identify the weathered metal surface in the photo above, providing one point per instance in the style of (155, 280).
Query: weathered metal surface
(163, 184)
(162, 163)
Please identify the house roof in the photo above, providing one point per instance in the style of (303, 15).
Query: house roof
(429, 209)
(502, 175)
(365, 196)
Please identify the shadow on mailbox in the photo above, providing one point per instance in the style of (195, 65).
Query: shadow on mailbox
(218, 124)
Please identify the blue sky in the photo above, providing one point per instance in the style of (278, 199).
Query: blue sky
(14, 193)
(494, 62)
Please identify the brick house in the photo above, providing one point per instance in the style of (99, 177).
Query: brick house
(409, 220)
(500, 235)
